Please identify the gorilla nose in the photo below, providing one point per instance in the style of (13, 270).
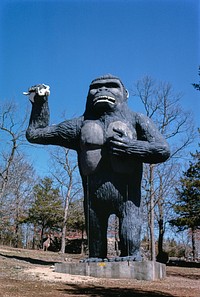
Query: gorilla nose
(103, 88)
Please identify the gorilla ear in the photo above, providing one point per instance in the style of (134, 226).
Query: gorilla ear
(127, 94)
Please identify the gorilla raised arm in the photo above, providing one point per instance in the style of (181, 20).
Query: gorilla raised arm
(112, 142)
(64, 134)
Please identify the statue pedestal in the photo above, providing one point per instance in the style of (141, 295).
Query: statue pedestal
(145, 270)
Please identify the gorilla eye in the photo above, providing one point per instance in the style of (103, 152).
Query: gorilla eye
(108, 85)
(95, 86)
(112, 85)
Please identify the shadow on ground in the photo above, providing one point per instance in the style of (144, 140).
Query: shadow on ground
(99, 291)
(182, 263)
(185, 275)
(30, 260)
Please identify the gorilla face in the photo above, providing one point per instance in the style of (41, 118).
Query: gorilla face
(106, 94)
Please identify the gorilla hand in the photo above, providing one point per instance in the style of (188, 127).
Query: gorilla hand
(41, 90)
(121, 144)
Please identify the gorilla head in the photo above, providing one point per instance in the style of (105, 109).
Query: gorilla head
(106, 94)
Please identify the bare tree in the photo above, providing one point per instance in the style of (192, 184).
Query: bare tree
(163, 106)
(12, 133)
(14, 170)
(65, 172)
(20, 195)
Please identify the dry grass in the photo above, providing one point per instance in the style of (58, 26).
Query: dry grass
(27, 273)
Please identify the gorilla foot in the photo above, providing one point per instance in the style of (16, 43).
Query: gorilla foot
(93, 260)
(126, 258)
(136, 258)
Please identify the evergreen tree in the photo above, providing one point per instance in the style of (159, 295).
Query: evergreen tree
(76, 221)
(47, 210)
(187, 207)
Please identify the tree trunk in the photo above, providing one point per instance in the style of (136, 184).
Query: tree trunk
(193, 245)
(41, 238)
(64, 228)
(63, 241)
(16, 243)
(161, 218)
(82, 241)
(152, 235)
(161, 236)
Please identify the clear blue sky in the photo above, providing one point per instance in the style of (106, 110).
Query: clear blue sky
(68, 43)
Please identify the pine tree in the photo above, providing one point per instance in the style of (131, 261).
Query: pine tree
(76, 221)
(187, 207)
(47, 210)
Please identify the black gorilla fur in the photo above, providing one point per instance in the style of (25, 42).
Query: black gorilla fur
(112, 142)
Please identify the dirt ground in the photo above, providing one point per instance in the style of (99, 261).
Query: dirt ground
(27, 273)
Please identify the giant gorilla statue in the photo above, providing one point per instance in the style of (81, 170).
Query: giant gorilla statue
(112, 143)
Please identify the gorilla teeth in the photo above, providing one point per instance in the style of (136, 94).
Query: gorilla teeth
(107, 99)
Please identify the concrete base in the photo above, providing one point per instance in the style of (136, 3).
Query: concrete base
(145, 270)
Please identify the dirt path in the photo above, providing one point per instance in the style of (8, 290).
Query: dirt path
(25, 273)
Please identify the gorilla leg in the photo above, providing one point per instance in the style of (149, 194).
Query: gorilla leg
(130, 230)
(96, 225)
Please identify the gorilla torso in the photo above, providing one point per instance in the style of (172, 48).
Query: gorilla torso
(110, 177)
(94, 138)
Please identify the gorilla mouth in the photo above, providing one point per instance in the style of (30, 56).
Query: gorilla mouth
(104, 99)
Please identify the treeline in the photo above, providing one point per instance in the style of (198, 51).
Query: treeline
(33, 208)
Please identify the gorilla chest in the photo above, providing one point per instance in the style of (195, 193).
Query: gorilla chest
(94, 146)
